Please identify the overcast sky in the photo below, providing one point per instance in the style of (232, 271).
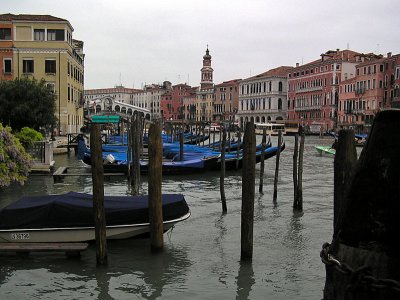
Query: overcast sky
(149, 41)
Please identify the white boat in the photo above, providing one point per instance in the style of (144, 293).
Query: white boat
(69, 217)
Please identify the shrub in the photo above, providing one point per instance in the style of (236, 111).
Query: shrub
(28, 135)
(14, 161)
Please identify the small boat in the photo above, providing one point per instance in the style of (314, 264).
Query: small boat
(325, 150)
(69, 217)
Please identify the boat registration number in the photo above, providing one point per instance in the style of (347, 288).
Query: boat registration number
(20, 236)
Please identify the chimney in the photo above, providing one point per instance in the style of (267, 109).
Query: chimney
(297, 65)
(389, 54)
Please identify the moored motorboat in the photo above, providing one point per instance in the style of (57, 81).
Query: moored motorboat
(69, 217)
(325, 150)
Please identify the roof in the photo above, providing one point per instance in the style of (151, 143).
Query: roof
(23, 17)
(281, 71)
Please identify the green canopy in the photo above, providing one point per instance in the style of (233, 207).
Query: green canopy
(105, 119)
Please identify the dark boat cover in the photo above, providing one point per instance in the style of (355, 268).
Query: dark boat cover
(76, 210)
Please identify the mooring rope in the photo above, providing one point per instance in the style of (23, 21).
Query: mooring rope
(361, 276)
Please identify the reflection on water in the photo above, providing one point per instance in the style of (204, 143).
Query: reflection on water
(201, 259)
(245, 280)
(131, 271)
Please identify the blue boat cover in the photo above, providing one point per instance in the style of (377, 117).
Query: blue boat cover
(76, 210)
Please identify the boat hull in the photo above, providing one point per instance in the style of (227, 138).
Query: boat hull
(325, 150)
(79, 234)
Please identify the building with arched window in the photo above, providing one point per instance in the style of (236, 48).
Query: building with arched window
(263, 98)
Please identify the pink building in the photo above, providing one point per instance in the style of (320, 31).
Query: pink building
(171, 102)
(375, 87)
(361, 97)
(392, 67)
(313, 88)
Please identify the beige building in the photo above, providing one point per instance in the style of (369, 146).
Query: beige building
(42, 47)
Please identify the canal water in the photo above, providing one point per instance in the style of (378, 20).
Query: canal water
(201, 259)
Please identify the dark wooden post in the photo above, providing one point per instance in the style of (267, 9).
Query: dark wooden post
(362, 261)
(213, 138)
(220, 137)
(238, 150)
(295, 182)
(129, 150)
(204, 133)
(300, 174)
(98, 194)
(248, 187)
(278, 154)
(229, 136)
(222, 176)
(137, 137)
(155, 181)
(344, 164)
(181, 146)
(263, 145)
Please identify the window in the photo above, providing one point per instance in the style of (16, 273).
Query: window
(38, 34)
(55, 34)
(7, 66)
(27, 66)
(51, 86)
(5, 34)
(50, 66)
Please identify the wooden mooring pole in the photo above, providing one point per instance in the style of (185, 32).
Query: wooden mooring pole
(344, 164)
(299, 192)
(248, 187)
(295, 174)
(98, 194)
(154, 192)
(362, 262)
(278, 155)
(136, 154)
(222, 176)
(262, 167)
(181, 146)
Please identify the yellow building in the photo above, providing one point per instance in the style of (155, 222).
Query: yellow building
(43, 47)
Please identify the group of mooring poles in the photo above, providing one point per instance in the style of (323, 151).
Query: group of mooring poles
(248, 180)
(154, 186)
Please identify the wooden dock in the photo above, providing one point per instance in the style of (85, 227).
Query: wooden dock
(62, 172)
(70, 249)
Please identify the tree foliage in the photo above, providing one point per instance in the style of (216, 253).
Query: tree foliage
(14, 161)
(27, 136)
(27, 103)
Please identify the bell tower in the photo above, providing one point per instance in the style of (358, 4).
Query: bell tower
(206, 72)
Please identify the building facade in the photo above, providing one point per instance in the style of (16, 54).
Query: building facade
(226, 99)
(313, 94)
(263, 98)
(172, 107)
(375, 87)
(42, 47)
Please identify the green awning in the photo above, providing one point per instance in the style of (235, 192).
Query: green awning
(105, 119)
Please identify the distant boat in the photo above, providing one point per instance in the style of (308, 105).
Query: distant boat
(69, 217)
(325, 150)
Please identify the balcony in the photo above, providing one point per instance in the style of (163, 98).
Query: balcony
(311, 89)
(308, 108)
(359, 91)
(358, 111)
